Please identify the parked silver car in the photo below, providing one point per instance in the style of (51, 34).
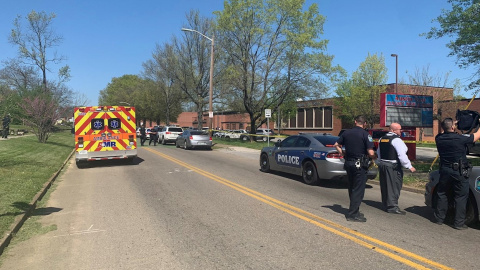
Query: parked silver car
(190, 139)
(473, 202)
(310, 155)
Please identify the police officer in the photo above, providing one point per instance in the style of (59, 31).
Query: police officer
(153, 136)
(358, 149)
(392, 156)
(143, 135)
(6, 126)
(454, 172)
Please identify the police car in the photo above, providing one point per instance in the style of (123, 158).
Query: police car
(310, 155)
(473, 202)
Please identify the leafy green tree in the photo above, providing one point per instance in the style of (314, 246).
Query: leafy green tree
(273, 52)
(133, 90)
(194, 62)
(462, 24)
(35, 40)
(360, 95)
(161, 70)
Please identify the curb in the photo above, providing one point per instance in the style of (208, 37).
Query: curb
(411, 189)
(19, 220)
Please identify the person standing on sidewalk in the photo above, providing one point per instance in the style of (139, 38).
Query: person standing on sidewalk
(6, 126)
(454, 172)
(392, 156)
(358, 152)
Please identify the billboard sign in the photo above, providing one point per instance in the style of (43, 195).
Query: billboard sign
(407, 110)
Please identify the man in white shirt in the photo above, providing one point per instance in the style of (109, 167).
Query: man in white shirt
(392, 156)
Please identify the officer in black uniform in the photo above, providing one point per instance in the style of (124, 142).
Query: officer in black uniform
(454, 171)
(6, 126)
(153, 136)
(143, 135)
(358, 152)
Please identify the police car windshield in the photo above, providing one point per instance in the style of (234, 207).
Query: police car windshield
(327, 141)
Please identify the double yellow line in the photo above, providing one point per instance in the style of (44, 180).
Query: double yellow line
(371, 243)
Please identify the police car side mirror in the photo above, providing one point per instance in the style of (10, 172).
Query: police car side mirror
(278, 143)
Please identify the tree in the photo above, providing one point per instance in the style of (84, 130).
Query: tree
(462, 24)
(34, 41)
(424, 83)
(40, 113)
(361, 94)
(273, 51)
(161, 70)
(193, 69)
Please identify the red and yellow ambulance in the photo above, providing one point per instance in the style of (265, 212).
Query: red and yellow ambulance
(104, 132)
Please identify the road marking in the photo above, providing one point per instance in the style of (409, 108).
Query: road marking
(88, 231)
(388, 250)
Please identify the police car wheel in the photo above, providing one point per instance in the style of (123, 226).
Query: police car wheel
(245, 138)
(264, 164)
(163, 141)
(185, 146)
(309, 174)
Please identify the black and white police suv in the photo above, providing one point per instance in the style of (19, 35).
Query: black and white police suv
(310, 155)
(473, 202)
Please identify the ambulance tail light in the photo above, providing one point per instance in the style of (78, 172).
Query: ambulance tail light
(130, 138)
(334, 155)
(80, 142)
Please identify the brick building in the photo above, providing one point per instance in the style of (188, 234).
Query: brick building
(320, 116)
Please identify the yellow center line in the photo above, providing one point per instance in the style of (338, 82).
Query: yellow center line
(325, 224)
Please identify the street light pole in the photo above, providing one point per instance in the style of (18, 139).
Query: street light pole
(210, 110)
(396, 72)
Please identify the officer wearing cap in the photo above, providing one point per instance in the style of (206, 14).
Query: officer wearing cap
(392, 156)
(454, 172)
(358, 149)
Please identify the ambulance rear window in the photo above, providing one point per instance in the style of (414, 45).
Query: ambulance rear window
(97, 124)
(114, 123)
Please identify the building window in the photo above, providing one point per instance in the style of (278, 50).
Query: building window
(301, 118)
(309, 117)
(328, 117)
(318, 117)
(314, 118)
(293, 121)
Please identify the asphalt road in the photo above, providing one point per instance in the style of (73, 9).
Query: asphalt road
(177, 209)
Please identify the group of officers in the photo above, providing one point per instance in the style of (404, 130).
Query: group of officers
(391, 157)
(153, 135)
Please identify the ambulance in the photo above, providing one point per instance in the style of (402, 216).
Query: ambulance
(104, 133)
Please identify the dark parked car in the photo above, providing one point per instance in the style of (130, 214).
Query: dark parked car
(190, 139)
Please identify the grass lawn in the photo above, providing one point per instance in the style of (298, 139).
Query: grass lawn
(26, 165)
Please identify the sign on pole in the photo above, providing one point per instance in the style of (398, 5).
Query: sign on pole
(268, 113)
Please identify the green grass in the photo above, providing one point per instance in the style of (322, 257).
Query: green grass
(26, 165)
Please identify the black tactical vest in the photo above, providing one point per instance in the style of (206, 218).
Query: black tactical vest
(387, 151)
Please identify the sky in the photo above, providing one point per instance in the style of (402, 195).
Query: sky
(104, 39)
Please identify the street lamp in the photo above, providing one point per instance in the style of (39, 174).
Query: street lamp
(396, 72)
(210, 112)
